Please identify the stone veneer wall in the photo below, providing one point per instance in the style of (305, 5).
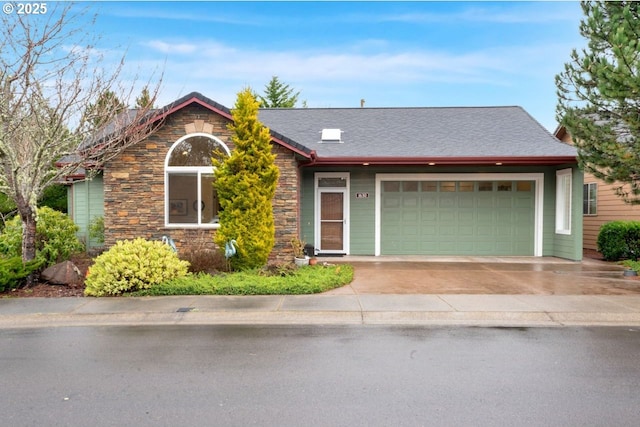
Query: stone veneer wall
(134, 187)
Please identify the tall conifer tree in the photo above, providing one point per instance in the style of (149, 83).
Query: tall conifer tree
(246, 183)
(599, 95)
(278, 94)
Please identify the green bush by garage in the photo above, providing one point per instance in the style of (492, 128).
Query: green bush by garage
(619, 240)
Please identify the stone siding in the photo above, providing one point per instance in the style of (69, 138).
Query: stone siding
(134, 186)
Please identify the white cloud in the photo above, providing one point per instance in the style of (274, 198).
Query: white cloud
(500, 13)
(167, 47)
(372, 69)
(217, 17)
(378, 65)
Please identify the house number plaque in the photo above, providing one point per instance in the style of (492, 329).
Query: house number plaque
(362, 195)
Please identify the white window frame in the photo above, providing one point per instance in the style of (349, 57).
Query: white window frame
(196, 170)
(588, 199)
(564, 190)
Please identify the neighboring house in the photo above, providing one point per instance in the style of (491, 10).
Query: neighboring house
(359, 181)
(600, 202)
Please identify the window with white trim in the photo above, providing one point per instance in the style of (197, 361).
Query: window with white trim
(590, 199)
(563, 201)
(190, 198)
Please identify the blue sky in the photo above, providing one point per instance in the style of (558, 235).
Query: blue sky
(392, 54)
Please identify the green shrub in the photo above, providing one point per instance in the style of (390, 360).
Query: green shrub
(132, 265)
(278, 281)
(96, 229)
(619, 240)
(201, 257)
(13, 271)
(56, 237)
(632, 265)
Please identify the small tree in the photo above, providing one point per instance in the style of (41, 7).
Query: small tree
(246, 183)
(599, 95)
(45, 88)
(278, 95)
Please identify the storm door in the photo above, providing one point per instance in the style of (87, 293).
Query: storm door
(332, 214)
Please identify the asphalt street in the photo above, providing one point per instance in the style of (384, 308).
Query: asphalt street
(317, 375)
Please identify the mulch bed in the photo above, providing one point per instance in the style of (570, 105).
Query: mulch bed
(45, 290)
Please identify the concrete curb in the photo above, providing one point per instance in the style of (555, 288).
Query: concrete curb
(406, 318)
(480, 310)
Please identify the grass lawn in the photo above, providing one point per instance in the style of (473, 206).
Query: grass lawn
(278, 281)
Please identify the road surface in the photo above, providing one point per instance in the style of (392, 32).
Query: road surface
(319, 376)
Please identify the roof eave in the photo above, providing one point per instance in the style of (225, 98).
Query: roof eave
(440, 161)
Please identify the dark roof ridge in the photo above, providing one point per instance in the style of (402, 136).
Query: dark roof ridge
(394, 108)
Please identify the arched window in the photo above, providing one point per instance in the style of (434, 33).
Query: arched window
(190, 199)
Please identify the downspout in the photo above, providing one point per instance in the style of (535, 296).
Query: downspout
(87, 209)
(314, 157)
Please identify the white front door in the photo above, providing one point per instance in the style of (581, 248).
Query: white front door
(332, 213)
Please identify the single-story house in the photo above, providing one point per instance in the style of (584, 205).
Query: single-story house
(600, 203)
(486, 181)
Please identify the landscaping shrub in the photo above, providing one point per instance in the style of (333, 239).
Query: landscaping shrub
(13, 271)
(56, 237)
(96, 229)
(619, 240)
(282, 280)
(132, 265)
(202, 258)
(246, 183)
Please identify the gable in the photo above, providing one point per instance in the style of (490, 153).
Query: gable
(198, 99)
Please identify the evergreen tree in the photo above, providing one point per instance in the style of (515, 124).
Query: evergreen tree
(145, 99)
(246, 183)
(104, 109)
(599, 95)
(278, 95)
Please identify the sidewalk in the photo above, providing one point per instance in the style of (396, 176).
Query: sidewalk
(449, 309)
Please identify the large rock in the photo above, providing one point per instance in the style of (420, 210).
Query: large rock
(64, 273)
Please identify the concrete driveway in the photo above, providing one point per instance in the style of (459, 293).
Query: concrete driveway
(485, 275)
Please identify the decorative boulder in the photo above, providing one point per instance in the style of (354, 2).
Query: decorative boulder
(64, 273)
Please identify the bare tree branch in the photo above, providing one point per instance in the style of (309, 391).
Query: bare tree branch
(50, 72)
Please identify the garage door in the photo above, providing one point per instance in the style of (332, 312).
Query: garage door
(457, 217)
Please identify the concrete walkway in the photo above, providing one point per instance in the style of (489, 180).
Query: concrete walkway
(450, 309)
(440, 291)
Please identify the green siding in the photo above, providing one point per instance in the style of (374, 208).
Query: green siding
(362, 210)
(570, 246)
(307, 208)
(86, 201)
(362, 215)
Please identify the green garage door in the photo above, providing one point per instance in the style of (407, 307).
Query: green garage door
(457, 218)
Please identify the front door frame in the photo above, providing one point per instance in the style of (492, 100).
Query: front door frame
(345, 190)
(539, 196)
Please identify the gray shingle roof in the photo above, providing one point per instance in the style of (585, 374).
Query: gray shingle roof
(418, 132)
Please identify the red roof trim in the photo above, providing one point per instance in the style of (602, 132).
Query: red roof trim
(291, 147)
(189, 101)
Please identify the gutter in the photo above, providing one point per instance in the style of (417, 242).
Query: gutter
(440, 161)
